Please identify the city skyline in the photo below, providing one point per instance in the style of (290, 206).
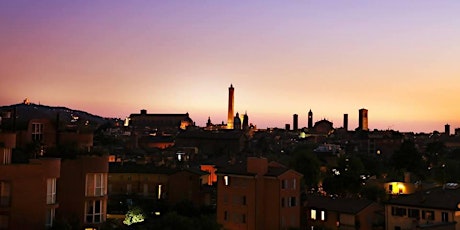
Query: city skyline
(395, 59)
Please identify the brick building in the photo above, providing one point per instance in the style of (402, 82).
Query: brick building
(258, 195)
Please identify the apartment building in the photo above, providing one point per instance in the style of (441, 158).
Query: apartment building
(436, 208)
(83, 190)
(148, 182)
(258, 195)
(28, 194)
(325, 212)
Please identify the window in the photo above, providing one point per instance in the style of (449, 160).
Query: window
(283, 184)
(5, 194)
(396, 211)
(294, 182)
(37, 131)
(282, 202)
(413, 213)
(323, 215)
(50, 213)
(96, 184)
(444, 216)
(427, 215)
(5, 157)
(313, 214)
(129, 188)
(95, 211)
(243, 219)
(243, 200)
(226, 180)
(159, 191)
(292, 201)
(146, 189)
(225, 215)
(50, 190)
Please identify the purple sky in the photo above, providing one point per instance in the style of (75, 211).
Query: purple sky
(398, 59)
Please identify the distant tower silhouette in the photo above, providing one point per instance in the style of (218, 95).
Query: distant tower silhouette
(209, 122)
(345, 121)
(363, 120)
(245, 121)
(237, 121)
(295, 122)
(310, 119)
(230, 107)
(447, 129)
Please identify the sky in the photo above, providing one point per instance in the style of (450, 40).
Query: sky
(398, 59)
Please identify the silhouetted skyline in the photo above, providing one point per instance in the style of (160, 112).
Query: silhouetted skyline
(396, 59)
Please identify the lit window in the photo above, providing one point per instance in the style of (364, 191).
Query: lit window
(5, 194)
(96, 184)
(5, 156)
(51, 191)
(313, 214)
(50, 213)
(323, 215)
(95, 211)
(226, 180)
(159, 191)
(37, 131)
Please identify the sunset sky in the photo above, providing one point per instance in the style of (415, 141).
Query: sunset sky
(398, 59)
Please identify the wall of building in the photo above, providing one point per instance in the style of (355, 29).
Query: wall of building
(28, 206)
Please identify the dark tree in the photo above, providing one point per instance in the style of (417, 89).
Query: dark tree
(408, 158)
(305, 161)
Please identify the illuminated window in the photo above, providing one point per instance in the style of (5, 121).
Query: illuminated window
(313, 214)
(5, 194)
(95, 211)
(5, 156)
(37, 131)
(50, 190)
(159, 191)
(323, 215)
(50, 213)
(96, 184)
(226, 180)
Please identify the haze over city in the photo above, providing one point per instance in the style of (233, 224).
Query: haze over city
(398, 59)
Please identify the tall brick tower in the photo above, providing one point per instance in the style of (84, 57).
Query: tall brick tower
(230, 107)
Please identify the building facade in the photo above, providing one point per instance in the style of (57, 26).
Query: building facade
(258, 195)
(436, 208)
